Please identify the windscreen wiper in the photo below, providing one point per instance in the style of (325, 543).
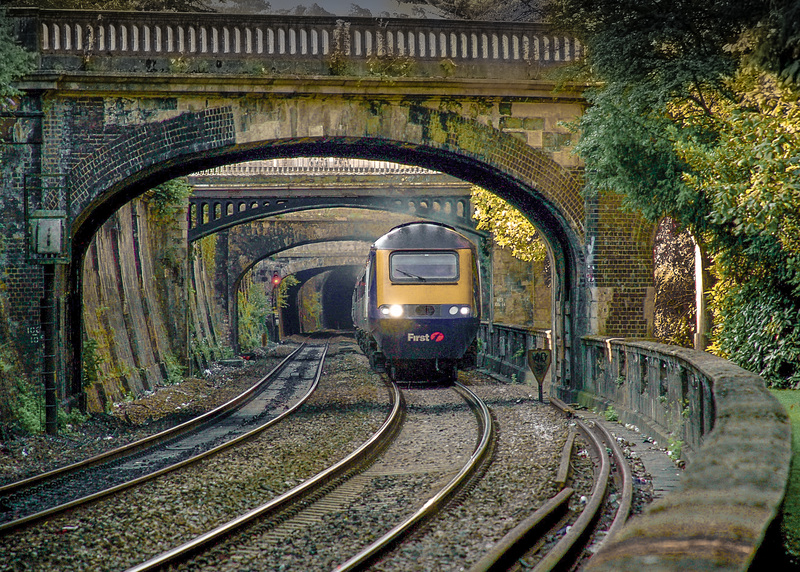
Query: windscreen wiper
(420, 278)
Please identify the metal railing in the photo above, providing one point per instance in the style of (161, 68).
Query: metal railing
(502, 349)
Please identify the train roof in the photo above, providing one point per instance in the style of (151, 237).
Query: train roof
(422, 235)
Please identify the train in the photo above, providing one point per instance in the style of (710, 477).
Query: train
(417, 303)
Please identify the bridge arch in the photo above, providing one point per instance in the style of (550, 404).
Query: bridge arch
(249, 244)
(391, 130)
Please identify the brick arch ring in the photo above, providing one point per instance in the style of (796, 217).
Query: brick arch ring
(152, 153)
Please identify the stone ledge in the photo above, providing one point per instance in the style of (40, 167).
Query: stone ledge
(730, 493)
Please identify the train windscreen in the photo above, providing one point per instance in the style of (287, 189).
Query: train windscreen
(420, 266)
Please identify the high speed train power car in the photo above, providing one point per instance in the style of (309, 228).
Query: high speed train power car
(416, 305)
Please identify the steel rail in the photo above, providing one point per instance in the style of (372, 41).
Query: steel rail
(15, 524)
(626, 494)
(370, 448)
(581, 527)
(435, 503)
(509, 548)
(146, 441)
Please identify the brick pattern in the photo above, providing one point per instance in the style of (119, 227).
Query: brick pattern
(146, 146)
(509, 155)
(619, 266)
(89, 140)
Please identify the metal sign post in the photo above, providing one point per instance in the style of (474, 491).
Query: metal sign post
(539, 362)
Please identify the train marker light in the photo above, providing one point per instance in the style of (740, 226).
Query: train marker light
(453, 310)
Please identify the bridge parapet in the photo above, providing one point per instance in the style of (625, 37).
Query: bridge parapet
(503, 349)
(740, 442)
(73, 40)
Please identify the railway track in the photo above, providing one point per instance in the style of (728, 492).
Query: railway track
(526, 542)
(284, 389)
(340, 498)
(280, 519)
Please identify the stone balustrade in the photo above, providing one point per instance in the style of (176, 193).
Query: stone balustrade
(739, 442)
(315, 166)
(224, 37)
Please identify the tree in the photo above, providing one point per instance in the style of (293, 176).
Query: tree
(695, 116)
(509, 227)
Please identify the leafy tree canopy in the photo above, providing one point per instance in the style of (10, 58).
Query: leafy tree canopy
(14, 62)
(696, 116)
(509, 227)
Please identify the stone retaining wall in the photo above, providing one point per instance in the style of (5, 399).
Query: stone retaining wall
(739, 437)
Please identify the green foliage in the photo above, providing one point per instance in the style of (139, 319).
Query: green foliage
(674, 448)
(254, 311)
(751, 178)
(168, 197)
(92, 359)
(757, 326)
(14, 62)
(29, 407)
(509, 227)
(312, 309)
(611, 415)
(695, 118)
(390, 66)
(175, 370)
(283, 290)
(790, 510)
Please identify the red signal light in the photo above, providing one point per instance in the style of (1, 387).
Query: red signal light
(276, 279)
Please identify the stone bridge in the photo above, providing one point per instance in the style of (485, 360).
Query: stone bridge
(122, 102)
(234, 194)
(342, 259)
(241, 247)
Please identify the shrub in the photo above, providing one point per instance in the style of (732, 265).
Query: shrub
(757, 326)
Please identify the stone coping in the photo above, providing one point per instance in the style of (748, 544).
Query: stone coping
(730, 493)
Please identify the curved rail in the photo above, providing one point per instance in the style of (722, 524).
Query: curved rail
(14, 524)
(479, 455)
(150, 441)
(626, 494)
(569, 542)
(508, 549)
(363, 454)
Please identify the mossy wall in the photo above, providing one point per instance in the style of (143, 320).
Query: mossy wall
(145, 305)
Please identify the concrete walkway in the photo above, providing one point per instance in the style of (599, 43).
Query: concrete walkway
(665, 474)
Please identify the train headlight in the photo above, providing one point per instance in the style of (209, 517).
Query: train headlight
(453, 310)
(465, 310)
(393, 311)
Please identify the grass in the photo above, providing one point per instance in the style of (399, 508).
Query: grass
(790, 527)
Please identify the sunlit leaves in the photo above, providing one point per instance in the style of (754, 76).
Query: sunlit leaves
(751, 176)
(509, 228)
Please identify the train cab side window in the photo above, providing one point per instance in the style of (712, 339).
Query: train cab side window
(421, 266)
